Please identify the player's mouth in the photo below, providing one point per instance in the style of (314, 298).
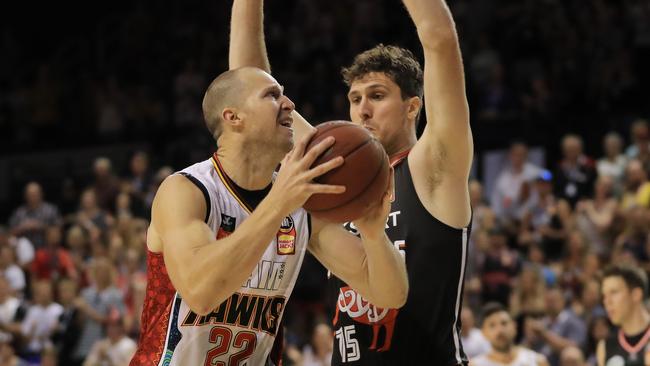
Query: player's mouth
(286, 122)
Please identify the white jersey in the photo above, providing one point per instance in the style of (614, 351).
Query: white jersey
(525, 357)
(242, 330)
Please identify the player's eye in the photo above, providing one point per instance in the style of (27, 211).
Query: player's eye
(378, 96)
(274, 94)
(355, 100)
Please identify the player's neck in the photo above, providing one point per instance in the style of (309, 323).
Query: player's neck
(637, 322)
(505, 356)
(402, 143)
(248, 169)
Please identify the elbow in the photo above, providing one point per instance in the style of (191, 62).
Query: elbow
(395, 300)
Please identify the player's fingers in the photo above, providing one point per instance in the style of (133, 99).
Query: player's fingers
(325, 167)
(317, 150)
(326, 188)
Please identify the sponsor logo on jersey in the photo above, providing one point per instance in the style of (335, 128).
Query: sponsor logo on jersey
(227, 226)
(363, 312)
(286, 237)
(259, 313)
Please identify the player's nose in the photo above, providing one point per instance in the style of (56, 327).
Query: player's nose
(365, 109)
(287, 104)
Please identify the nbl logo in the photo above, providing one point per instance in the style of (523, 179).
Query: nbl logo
(286, 237)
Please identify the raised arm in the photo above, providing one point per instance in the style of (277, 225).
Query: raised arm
(248, 48)
(442, 157)
(206, 271)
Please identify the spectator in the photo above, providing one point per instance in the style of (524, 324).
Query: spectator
(594, 217)
(572, 356)
(614, 162)
(528, 295)
(640, 136)
(96, 304)
(499, 329)
(53, 262)
(11, 271)
(498, 268)
(474, 342)
(588, 305)
(40, 322)
(114, 350)
(512, 189)
(10, 309)
(91, 216)
(106, 185)
(7, 353)
(31, 219)
(22, 247)
(637, 186)
(68, 328)
(319, 351)
(598, 331)
(576, 172)
(561, 328)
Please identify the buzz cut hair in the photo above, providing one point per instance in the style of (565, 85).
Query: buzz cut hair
(223, 91)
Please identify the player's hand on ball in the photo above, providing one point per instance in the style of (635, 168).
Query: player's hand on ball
(294, 183)
(373, 223)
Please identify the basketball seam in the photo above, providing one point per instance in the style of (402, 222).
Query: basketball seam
(383, 159)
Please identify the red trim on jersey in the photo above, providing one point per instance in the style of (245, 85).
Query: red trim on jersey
(230, 185)
(637, 347)
(155, 312)
(397, 158)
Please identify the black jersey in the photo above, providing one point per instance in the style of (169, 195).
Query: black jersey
(623, 350)
(426, 331)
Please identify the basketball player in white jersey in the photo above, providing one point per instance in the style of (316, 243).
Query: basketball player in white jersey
(228, 235)
(499, 329)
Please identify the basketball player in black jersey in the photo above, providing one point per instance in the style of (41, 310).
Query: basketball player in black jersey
(429, 219)
(625, 289)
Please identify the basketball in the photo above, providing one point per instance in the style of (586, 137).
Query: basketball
(365, 172)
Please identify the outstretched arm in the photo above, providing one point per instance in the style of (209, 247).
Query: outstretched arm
(248, 48)
(442, 157)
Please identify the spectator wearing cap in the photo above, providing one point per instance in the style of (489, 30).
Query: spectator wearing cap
(576, 173)
(31, 219)
(511, 192)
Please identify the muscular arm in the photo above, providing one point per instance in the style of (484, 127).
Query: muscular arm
(248, 48)
(206, 271)
(370, 265)
(442, 157)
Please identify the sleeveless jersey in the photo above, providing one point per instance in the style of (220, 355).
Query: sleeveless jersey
(241, 331)
(427, 329)
(525, 357)
(621, 350)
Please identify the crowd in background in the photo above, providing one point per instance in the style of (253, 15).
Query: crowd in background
(72, 252)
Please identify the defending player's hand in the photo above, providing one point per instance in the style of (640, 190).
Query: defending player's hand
(294, 183)
(373, 223)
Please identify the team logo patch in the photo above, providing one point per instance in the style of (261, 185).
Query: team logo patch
(286, 237)
(227, 227)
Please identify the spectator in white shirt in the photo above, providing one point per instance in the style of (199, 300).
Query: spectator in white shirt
(474, 342)
(114, 350)
(41, 321)
(510, 191)
(614, 162)
(11, 271)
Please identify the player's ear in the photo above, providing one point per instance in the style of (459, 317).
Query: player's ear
(637, 294)
(414, 106)
(231, 117)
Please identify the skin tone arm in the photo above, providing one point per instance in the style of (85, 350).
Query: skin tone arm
(442, 158)
(189, 248)
(248, 48)
(372, 266)
(600, 353)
